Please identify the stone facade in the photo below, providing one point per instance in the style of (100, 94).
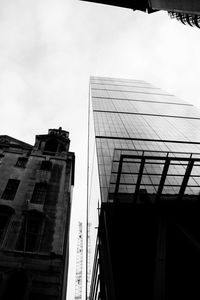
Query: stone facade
(35, 203)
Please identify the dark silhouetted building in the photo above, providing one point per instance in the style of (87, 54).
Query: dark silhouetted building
(187, 12)
(148, 164)
(35, 203)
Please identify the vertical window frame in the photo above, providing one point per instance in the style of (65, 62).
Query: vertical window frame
(30, 241)
(46, 165)
(7, 212)
(39, 193)
(21, 162)
(10, 189)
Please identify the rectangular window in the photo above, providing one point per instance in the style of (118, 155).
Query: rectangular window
(30, 236)
(21, 162)
(33, 234)
(39, 193)
(46, 165)
(3, 223)
(11, 189)
(4, 220)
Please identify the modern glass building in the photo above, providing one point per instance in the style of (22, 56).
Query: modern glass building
(147, 145)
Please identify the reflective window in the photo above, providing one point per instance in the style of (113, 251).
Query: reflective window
(137, 116)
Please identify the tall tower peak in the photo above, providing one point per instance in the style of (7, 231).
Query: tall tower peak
(56, 142)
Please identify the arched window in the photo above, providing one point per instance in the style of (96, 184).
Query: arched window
(31, 232)
(51, 147)
(5, 216)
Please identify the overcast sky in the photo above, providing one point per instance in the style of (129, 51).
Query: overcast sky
(48, 50)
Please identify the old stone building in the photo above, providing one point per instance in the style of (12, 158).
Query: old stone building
(35, 203)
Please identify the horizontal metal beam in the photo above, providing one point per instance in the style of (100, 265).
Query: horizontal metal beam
(165, 161)
(150, 157)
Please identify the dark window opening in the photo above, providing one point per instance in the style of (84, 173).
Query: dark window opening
(21, 162)
(16, 286)
(3, 224)
(46, 165)
(11, 189)
(62, 148)
(39, 193)
(40, 143)
(31, 233)
(5, 216)
(51, 147)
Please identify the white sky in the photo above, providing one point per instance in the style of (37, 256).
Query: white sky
(48, 50)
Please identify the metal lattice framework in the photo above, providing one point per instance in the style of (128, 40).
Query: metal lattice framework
(165, 166)
(89, 259)
(79, 264)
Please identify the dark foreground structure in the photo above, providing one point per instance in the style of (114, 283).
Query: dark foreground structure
(185, 11)
(35, 203)
(148, 157)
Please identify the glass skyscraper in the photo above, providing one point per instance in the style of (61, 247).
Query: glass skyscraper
(132, 116)
(147, 145)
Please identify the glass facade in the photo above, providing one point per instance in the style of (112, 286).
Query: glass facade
(132, 117)
(144, 145)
